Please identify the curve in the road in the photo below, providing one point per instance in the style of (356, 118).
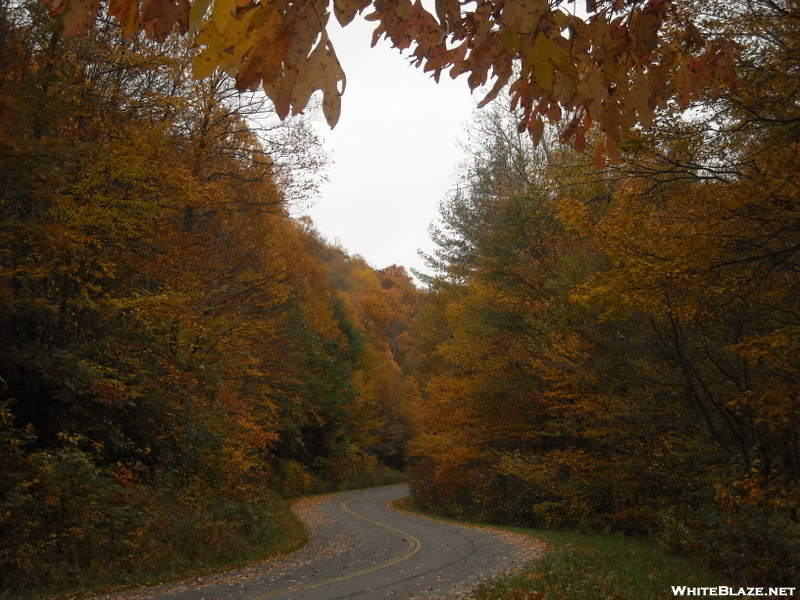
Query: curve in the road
(360, 549)
(413, 548)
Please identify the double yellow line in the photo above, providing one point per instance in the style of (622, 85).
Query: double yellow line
(413, 548)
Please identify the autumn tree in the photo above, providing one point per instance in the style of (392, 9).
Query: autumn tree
(166, 329)
(647, 371)
(704, 261)
(381, 314)
(500, 377)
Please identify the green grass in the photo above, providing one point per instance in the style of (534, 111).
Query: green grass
(592, 567)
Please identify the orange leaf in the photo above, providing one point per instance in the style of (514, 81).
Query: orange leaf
(126, 12)
(537, 130)
(580, 142)
(600, 156)
(523, 15)
(80, 17)
(320, 72)
(161, 16)
(346, 10)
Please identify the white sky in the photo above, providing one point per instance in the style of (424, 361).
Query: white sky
(395, 150)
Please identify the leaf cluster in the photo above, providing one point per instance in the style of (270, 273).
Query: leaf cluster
(613, 63)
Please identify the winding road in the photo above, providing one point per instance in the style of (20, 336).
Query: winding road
(361, 549)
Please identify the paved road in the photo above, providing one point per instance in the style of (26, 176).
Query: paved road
(362, 550)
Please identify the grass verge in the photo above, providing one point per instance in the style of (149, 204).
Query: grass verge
(590, 567)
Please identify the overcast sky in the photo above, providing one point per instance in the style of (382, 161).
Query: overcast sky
(395, 151)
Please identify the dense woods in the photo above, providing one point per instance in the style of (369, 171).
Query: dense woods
(609, 348)
(176, 352)
(618, 350)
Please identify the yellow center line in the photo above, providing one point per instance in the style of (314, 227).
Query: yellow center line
(413, 548)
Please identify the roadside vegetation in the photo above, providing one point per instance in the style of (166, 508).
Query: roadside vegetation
(177, 546)
(585, 566)
(596, 567)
